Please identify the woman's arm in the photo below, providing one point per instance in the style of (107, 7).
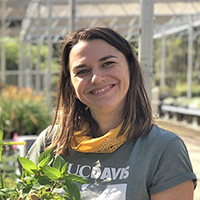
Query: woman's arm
(183, 191)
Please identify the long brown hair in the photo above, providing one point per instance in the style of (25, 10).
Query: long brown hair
(71, 113)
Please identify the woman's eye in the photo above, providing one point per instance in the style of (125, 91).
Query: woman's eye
(107, 64)
(81, 72)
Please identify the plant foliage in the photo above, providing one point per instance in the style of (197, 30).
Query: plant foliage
(41, 181)
(23, 112)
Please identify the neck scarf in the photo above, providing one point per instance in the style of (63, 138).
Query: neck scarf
(107, 143)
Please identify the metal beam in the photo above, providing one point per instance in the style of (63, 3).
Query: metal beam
(190, 59)
(72, 16)
(49, 57)
(38, 75)
(21, 65)
(3, 54)
(163, 64)
(177, 28)
(26, 23)
(146, 42)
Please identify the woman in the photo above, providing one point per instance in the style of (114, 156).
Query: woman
(103, 125)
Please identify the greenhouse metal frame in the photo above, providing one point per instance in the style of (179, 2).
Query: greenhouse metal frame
(49, 21)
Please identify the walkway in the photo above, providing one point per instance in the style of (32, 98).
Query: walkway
(191, 137)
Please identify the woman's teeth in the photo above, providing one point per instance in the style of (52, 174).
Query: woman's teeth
(102, 90)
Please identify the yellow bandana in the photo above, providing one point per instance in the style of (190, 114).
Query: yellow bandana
(107, 143)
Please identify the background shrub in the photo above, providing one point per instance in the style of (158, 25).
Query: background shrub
(23, 112)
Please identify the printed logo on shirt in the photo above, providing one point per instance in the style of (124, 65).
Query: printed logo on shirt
(111, 192)
(99, 173)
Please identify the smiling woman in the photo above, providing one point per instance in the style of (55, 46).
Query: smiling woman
(104, 129)
(100, 80)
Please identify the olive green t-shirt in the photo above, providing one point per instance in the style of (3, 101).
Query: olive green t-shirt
(134, 171)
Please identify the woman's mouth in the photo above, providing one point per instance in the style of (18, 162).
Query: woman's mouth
(102, 90)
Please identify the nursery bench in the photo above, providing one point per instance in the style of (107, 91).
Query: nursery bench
(189, 115)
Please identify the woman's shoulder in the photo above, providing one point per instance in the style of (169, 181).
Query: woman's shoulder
(41, 143)
(158, 134)
(160, 139)
(48, 134)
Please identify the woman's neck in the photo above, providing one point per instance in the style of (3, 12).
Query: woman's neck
(106, 121)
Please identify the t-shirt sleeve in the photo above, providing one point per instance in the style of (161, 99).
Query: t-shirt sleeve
(174, 167)
(38, 147)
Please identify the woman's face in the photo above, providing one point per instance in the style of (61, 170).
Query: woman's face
(100, 75)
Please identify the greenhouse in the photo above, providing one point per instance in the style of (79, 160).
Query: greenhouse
(47, 22)
(165, 37)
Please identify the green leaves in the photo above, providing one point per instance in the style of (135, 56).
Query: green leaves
(77, 178)
(45, 161)
(1, 182)
(64, 169)
(43, 180)
(1, 140)
(51, 172)
(7, 190)
(27, 164)
(72, 189)
(47, 153)
(1, 144)
(59, 163)
(8, 193)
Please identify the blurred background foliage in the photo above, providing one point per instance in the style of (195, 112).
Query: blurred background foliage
(175, 72)
(27, 113)
(12, 48)
(176, 66)
(23, 112)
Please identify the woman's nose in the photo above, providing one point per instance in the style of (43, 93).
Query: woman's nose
(97, 77)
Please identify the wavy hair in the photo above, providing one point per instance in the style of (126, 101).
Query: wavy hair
(71, 113)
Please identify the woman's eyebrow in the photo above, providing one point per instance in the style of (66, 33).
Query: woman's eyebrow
(106, 57)
(78, 67)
